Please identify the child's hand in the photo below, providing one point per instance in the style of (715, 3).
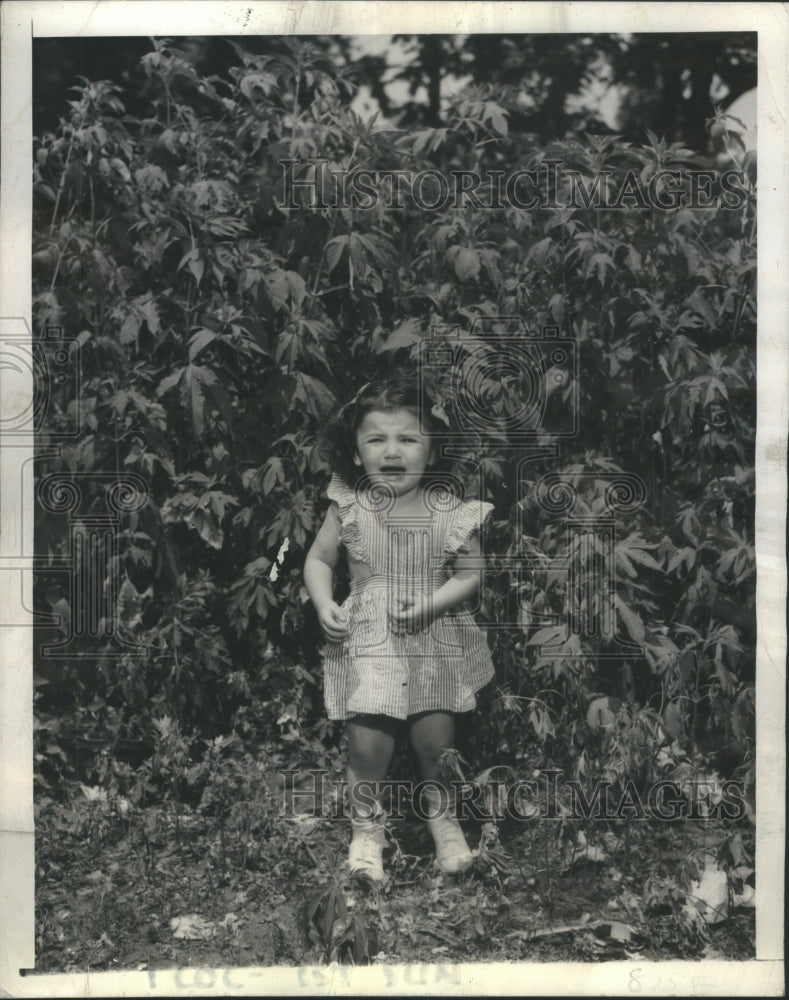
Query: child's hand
(334, 622)
(412, 613)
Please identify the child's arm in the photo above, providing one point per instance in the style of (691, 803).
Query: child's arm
(319, 577)
(462, 585)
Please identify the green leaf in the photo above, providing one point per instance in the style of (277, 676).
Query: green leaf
(699, 304)
(631, 621)
(379, 248)
(334, 251)
(259, 81)
(130, 329)
(200, 340)
(120, 401)
(406, 334)
(314, 396)
(197, 267)
(426, 139)
(298, 289)
(497, 117)
(221, 400)
(196, 399)
(150, 312)
(624, 563)
(169, 383)
(639, 556)
(684, 555)
(277, 287)
(467, 264)
(358, 255)
(547, 636)
(202, 520)
(274, 474)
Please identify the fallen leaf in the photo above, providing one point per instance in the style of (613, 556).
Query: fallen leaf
(192, 927)
(615, 930)
(585, 851)
(746, 898)
(94, 794)
(710, 894)
(609, 931)
(231, 923)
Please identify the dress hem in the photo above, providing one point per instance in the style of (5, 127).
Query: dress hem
(404, 718)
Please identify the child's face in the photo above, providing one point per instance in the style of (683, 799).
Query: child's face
(391, 448)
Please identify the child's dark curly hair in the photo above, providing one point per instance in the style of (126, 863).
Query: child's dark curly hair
(406, 389)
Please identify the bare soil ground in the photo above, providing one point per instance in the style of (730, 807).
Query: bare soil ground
(153, 890)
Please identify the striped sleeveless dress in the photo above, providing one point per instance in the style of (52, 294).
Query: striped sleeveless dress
(392, 556)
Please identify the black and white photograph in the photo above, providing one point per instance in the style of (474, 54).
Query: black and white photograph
(393, 449)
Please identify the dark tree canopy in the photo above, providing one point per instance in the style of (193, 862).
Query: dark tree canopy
(665, 80)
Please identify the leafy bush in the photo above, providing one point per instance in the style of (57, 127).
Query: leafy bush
(216, 328)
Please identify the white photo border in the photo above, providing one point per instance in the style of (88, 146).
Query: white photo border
(26, 19)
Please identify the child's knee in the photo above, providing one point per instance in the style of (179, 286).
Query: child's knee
(431, 735)
(427, 747)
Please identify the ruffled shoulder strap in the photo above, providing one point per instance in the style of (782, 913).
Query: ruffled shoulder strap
(468, 518)
(348, 511)
(339, 492)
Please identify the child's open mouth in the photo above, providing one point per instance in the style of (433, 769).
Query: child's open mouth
(392, 470)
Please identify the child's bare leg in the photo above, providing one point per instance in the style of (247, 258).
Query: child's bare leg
(431, 733)
(372, 743)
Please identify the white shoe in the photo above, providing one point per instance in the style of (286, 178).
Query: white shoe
(366, 848)
(452, 852)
